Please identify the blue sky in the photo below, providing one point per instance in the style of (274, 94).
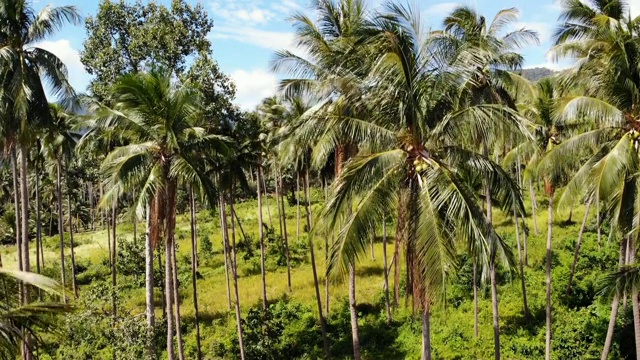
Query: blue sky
(247, 32)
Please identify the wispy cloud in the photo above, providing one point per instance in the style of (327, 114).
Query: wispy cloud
(274, 40)
(440, 10)
(78, 76)
(252, 86)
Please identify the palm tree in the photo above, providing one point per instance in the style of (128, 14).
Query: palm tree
(165, 149)
(604, 39)
(17, 320)
(59, 141)
(477, 47)
(414, 161)
(25, 66)
(326, 73)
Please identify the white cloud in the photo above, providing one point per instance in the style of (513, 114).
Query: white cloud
(252, 86)
(252, 12)
(634, 7)
(441, 9)
(274, 40)
(544, 30)
(78, 77)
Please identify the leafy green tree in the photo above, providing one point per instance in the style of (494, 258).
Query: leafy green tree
(126, 38)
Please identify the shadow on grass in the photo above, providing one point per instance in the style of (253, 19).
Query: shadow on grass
(532, 324)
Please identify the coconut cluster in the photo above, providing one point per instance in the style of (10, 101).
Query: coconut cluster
(420, 165)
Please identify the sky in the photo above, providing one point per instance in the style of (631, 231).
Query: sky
(246, 34)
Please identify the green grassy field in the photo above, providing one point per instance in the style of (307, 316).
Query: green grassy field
(578, 329)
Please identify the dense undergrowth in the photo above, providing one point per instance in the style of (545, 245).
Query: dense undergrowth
(289, 326)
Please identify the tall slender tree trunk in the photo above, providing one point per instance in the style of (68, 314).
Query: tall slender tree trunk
(634, 297)
(598, 221)
(494, 303)
(114, 257)
(492, 267)
(353, 311)
(176, 302)
(60, 223)
(426, 334)
(39, 251)
(475, 298)
(194, 277)
(614, 308)
(276, 181)
(527, 313)
(387, 301)
(262, 178)
(163, 292)
(16, 204)
(168, 266)
(24, 218)
(72, 246)
(285, 236)
(261, 234)
(298, 205)
(534, 210)
(578, 244)
(326, 256)
(400, 239)
(234, 272)
(548, 270)
(323, 325)
(149, 282)
(225, 241)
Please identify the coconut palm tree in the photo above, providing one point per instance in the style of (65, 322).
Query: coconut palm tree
(485, 57)
(17, 320)
(25, 67)
(605, 40)
(59, 141)
(415, 161)
(164, 150)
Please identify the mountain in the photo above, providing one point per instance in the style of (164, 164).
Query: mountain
(536, 74)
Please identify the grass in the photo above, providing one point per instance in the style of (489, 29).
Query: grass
(452, 324)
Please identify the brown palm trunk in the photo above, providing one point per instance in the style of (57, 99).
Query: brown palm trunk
(614, 309)
(24, 216)
(72, 246)
(578, 244)
(225, 240)
(475, 298)
(194, 277)
(527, 313)
(323, 326)
(634, 297)
(149, 282)
(261, 234)
(548, 271)
(298, 205)
(286, 238)
(353, 311)
(168, 268)
(176, 301)
(387, 302)
(534, 210)
(261, 176)
(426, 334)
(16, 204)
(276, 181)
(39, 251)
(494, 303)
(492, 269)
(234, 272)
(60, 222)
(400, 239)
(114, 256)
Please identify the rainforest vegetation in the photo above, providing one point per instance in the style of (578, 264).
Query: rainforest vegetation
(407, 193)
